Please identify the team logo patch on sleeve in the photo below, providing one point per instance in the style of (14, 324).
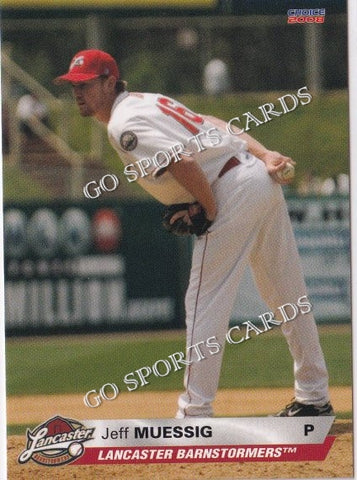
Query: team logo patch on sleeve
(128, 140)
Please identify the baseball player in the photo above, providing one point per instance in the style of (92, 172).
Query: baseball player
(226, 190)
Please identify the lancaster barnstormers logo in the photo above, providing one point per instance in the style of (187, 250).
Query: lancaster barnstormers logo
(77, 62)
(56, 442)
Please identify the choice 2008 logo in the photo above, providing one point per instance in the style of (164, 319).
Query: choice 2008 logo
(56, 442)
(306, 15)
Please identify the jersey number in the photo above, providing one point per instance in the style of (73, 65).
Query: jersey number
(181, 114)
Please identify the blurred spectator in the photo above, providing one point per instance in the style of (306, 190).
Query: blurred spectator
(187, 38)
(343, 183)
(328, 186)
(216, 77)
(309, 184)
(28, 107)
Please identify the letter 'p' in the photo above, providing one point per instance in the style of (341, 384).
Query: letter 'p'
(308, 428)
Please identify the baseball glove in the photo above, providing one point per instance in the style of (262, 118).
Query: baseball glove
(192, 219)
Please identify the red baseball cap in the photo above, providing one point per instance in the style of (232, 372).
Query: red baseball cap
(89, 64)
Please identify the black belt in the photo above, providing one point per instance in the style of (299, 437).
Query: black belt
(231, 163)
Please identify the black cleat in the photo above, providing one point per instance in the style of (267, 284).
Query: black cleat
(296, 409)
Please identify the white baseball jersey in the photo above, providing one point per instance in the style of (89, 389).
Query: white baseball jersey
(150, 130)
(252, 226)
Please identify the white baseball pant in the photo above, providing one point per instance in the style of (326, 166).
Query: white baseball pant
(252, 226)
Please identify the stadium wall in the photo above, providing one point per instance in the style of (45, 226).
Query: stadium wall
(90, 266)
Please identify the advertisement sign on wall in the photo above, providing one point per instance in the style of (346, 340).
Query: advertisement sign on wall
(79, 266)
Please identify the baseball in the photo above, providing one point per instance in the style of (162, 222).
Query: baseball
(287, 173)
(75, 449)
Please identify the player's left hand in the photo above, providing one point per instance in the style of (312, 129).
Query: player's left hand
(186, 219)
(276, 162)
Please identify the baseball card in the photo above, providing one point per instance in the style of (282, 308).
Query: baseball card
(177, 215)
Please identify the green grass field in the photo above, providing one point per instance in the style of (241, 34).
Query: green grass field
(65, 364)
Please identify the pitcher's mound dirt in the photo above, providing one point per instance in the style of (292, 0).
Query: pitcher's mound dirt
(35, 410)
